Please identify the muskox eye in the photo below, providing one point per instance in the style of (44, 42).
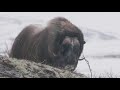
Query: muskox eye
(76, 49)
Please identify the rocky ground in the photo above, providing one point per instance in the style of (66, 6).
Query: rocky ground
(13, 68)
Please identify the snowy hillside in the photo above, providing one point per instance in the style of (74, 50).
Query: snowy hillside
(101, 44)
(91, 34)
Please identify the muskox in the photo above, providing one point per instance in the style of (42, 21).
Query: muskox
(59, 44)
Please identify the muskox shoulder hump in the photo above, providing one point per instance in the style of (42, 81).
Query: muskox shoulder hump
(58, 20)
(33, 28)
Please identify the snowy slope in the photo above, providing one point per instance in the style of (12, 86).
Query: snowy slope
(100, 44)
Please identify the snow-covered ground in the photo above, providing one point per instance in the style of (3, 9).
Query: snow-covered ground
(102, 52)
(101, 48)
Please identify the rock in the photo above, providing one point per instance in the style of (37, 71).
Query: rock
(13, 68)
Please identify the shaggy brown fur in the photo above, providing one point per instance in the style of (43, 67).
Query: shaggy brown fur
(60, 44)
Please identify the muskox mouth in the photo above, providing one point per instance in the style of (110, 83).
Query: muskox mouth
(67, 58)
(67, 62)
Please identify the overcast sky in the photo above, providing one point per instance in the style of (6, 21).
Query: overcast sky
(104, 21)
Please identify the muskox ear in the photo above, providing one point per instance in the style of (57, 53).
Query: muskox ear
(84, 42)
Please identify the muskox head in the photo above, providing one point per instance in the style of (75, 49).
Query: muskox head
(66, 44)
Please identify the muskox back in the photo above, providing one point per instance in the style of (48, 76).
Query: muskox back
(26, 44)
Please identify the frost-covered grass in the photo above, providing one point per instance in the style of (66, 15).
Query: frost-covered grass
(107, 67)
(106, 75)
(100, 68)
